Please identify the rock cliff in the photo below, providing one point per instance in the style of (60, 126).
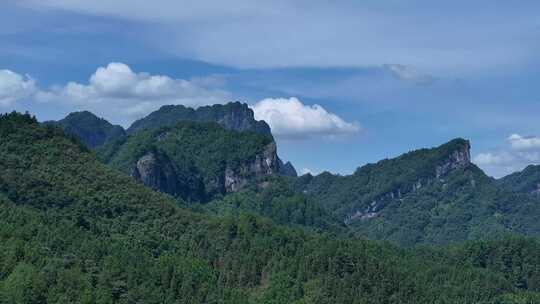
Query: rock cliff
(232, 116)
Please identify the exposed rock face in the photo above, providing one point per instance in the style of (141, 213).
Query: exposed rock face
(233, 116)
(89, 129)
(375, 186)
(157, 172)
(227, 173)
(454, 159)
(459, 158)
(239, 118)
(266, 163)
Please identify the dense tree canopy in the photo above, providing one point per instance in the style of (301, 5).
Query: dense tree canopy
(76, 231)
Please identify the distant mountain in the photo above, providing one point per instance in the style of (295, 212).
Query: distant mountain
(73, 230)
(390, 178)
(526, 181)
(287, 169)
(233, 116)
(425, 196)
(193, 160)
(93, 131)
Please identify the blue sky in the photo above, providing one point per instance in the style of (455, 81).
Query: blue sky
(341, 83)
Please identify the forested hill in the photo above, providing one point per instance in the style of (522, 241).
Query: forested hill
(194, 161)
(74, 231)
(434, 196)
(93, 131)
(525, 181)
(427, 196)
(195, 154)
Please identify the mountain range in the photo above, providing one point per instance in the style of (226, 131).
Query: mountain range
(426, 196)
(195, 206)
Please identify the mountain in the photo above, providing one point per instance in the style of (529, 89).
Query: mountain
(287, 169)
(198, 154)
(232, 116)
(526, 181)
(433, 196)
(190, 174)
(195, 161)
(93, 131)
(388, 179)
(73, 230)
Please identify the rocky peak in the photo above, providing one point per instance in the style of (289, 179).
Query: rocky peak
(456, 155)
(233, 116)
(237, 116)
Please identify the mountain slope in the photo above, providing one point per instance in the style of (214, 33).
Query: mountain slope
(233, 116)
(386, 180)
(433, 196)
(74, 231)
(93, 131)
(526, 181)
(195, 161)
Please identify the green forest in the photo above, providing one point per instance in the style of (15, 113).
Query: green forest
(76, 230)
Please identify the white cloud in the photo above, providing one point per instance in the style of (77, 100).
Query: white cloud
(121, 95)
(419, 34)
(519, 152)
(290, 118)
(521, 143)
(494, 159)
(14, 87)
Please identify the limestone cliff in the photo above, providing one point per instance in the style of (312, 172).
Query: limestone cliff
(234, 116)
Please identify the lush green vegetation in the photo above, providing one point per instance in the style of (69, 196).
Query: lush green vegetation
(428, 196)
(346, 194)
(74, 231)
(404, 201)
(199, 152)
(526, 181)
(276, 199)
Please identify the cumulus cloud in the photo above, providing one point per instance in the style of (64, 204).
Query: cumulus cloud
(290, 118)
(14, 87)
(518, 152)
(122, 95)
